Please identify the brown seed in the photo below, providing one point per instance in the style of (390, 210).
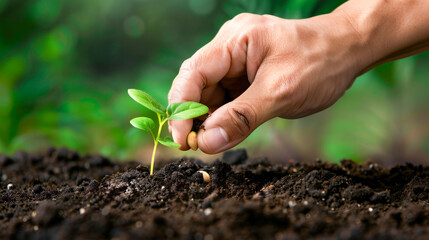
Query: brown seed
(192, 140)
(206, 176)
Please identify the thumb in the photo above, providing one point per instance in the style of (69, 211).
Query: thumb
(232, 123)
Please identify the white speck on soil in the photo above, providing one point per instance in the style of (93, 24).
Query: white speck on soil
(162, 188)
(139, 224)
(9, 186)
(305, 202)
(104, 211)
(4, 177)
(36, 228)
(82, 211)
(292, 204)
(34, 214)
(370, 209)
(208, 211)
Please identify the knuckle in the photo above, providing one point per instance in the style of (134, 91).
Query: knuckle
(174, 94)
(226, 25)
(243, 118)
(186, 65)
(243, 16)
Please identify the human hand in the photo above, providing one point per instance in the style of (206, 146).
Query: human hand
(260, 67)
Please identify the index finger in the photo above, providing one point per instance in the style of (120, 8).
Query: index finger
(206, 67)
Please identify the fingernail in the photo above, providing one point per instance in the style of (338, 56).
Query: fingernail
(173, 134)
(216, 138)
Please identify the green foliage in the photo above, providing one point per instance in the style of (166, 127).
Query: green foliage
(175, 111)
(143, 123)
(186, 110)
(146, 100)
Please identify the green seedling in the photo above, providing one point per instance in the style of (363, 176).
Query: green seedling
(174, 111)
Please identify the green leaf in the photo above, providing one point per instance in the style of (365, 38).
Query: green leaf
(186, 110)
(143, 123)
(146, 100)
(168, 141)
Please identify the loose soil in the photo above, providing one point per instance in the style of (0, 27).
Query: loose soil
(59, 194)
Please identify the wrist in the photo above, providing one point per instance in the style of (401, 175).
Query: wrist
(389, 29)
(342, 44)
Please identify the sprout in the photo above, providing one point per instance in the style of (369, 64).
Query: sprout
(174, 111)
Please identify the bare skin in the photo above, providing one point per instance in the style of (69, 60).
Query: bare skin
(259, 66)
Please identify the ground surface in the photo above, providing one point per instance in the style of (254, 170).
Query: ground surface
(61, 195)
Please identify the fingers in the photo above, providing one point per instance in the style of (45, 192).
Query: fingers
(204, 69)
(233, 122)
(225, 57)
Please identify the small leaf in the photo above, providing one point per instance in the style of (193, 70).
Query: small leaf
(168, 141)
(186, 110)
(146, 100)
(143, 123)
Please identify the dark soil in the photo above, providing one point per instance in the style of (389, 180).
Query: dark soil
(61, 195)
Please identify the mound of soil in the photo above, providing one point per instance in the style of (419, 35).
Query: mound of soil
(61, 195)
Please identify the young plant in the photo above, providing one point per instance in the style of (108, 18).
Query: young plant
(174, 111)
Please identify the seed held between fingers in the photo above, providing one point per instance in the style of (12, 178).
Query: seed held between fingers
(192, 141)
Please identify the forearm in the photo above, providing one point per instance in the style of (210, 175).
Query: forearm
(388, 29)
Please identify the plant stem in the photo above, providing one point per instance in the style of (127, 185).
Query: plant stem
(155, 141)
(153, 156)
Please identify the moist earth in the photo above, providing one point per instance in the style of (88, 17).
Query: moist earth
(59, 194)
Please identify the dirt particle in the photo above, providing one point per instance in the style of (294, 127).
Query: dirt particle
(5, 161)
(234, 157)
(37, 189)
(47, 213)
(93, 186)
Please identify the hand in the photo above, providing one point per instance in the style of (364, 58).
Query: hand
(260, 67)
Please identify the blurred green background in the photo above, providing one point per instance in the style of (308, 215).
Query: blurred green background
(65, 67)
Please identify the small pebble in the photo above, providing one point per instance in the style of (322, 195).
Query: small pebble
(36, 228)
(370, 209)
(10, 186)
(82, 211)
(292, 204)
